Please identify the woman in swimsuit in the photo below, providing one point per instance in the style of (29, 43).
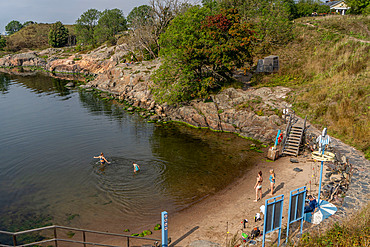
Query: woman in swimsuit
(258, 186)
(102, 159)
(272, 181)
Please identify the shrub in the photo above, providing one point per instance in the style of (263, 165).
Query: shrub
(58, 35)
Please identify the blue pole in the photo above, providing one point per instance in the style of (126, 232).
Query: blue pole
(264, 223)
(322, 167)
(164, 229)
(277, 137)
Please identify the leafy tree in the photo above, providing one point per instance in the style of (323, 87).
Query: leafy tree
(271, 19)
(29, 23)
(199, 52)
(85, 26)
(291, 8)
(307, 7)
(13, 27)
(2, 42)
(359, 6)
(111, 22)
(140, 16)
(58, 35)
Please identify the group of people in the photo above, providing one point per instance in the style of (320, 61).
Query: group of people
(310, 207)
(258, 186)
(103, 160)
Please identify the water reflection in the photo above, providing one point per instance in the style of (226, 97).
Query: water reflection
(199, 161)
(4, 83)
(38, 83)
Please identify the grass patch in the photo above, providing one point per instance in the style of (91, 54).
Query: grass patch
(328, 71)
(355, 231)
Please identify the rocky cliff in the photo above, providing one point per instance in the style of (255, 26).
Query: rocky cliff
(254, 113)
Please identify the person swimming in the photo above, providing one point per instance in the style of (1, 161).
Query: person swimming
(136, 167)
(102, 159)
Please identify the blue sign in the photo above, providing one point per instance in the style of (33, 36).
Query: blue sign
(273, 216)
(164, 229)
(296, 207)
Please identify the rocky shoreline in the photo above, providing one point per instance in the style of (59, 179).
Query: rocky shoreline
(252, 113)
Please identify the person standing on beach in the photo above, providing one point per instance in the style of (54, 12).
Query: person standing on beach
(272, 181)
(102, 159)
(258, 186)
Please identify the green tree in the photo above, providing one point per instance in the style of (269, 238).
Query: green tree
(13, 27)
(28, 23)
(140, 16)
(359, 6)
(111, 22)
(2, 42)
(271, 19)
(199, 52)
(85, 26)
(58, 35)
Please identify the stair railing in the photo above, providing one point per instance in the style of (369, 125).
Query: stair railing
(57, 240)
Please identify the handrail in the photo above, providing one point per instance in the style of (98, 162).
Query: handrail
(55, 239)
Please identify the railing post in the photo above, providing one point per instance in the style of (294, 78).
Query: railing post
(14, 240)
(128, 242)
(55, 236)
(84, 237)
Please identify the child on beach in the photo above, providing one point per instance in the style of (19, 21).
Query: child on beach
(102, 159)
(272, 181)
(258, 186)
(136, 167)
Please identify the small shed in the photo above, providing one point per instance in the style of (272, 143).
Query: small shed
(269, 64)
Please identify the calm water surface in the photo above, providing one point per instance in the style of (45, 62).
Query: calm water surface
(49, 135)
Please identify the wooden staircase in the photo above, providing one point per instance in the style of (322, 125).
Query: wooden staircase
(293, 140)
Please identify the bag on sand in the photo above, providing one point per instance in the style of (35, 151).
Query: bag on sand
(255, 232)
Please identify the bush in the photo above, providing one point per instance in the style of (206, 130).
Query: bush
(58, 35)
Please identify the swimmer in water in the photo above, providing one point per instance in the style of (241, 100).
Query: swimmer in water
(136, 167)
(102, 159)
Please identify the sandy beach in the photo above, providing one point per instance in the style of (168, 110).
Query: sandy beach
(213, 217)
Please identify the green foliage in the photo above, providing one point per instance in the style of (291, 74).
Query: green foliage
(353, 232)
(85, 26)
(2, 42)
(58, 35)
(110, 23)
(157, 227)
(28, 23)
(271, 20)
(307, 7)
(13, 27)
(359, 6)
(140, 16)
(199, 52)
